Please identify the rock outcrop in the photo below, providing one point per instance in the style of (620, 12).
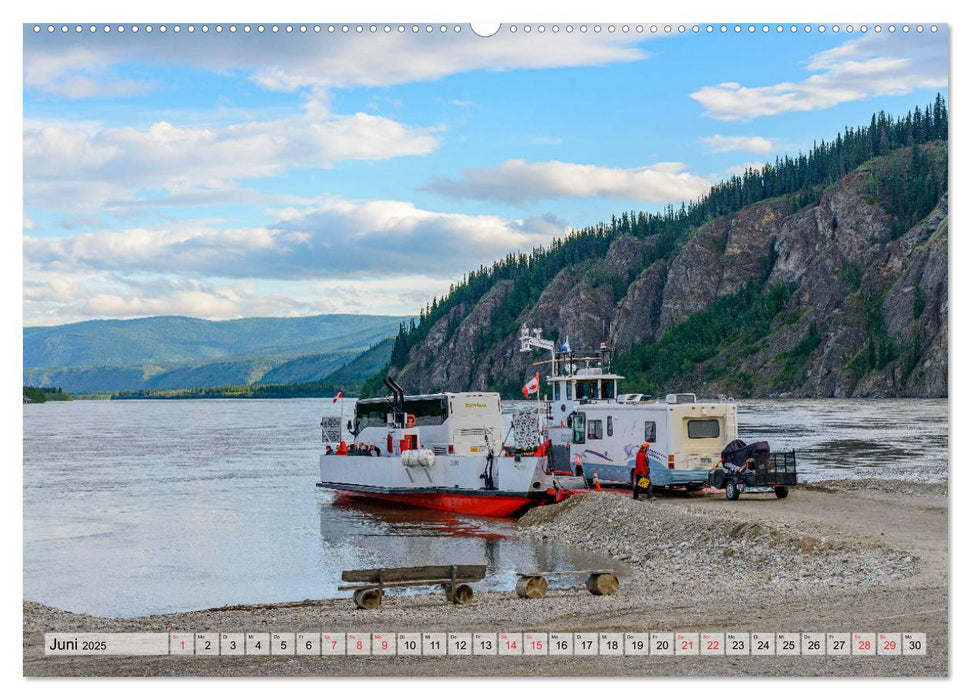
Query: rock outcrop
(866, 314)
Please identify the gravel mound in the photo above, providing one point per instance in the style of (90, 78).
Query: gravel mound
(668, 543)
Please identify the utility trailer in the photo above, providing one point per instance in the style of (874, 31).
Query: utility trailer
(755, 469)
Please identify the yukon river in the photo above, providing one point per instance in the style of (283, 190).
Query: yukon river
(140, 507)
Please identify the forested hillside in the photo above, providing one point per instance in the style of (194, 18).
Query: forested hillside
(822, 274)
(176, 352)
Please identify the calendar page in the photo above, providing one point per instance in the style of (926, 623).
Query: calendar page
(627, 343)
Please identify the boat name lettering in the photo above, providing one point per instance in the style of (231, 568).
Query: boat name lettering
(475, 405)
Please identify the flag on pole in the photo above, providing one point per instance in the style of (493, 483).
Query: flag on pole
(532, 386)
(340, 395)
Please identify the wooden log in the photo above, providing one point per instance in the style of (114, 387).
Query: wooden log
(367, 598)
(406, 584)
(531, 587)
(471, 572)
(578, 572)
(460, 595)
(603, 584)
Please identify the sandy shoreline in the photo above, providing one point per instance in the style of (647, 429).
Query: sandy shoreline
(833, 557)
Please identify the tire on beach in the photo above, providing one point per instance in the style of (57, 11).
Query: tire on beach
(602, 584)
(461, 595)
(781, 491)
(731, 490)
(367, 598)
(531, 587)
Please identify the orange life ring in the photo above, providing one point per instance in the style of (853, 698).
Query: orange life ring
(410, 421)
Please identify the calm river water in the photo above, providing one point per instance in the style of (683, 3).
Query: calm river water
(136, 507)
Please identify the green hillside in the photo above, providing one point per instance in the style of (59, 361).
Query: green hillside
(350, 377)
(174, 352)
(166, 340)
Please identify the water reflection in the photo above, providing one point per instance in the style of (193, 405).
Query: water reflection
(365, 534)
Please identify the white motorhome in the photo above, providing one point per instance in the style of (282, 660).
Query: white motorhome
(596, 431)
(685, 438)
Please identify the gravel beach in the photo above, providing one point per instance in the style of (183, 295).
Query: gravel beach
(835, 556)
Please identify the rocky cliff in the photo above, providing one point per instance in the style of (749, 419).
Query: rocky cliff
(859, 304)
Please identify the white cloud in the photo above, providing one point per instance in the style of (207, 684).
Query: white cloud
(753, 144)
(873, 65)
(518, 181)
(85, 66)
(77, 73)
(52, 298)
(78, 169)
(334, 239)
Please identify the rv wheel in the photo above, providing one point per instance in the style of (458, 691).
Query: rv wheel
(781, 491)
(731, 490)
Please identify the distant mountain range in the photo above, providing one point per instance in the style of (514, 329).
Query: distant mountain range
(179, 352)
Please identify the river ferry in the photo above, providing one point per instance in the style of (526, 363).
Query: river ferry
(443, 452)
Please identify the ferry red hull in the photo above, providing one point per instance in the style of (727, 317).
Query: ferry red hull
(496, 506)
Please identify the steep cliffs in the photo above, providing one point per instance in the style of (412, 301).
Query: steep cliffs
(857, 306)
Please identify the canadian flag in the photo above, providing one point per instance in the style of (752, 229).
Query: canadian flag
(340, 395)
(532, 386)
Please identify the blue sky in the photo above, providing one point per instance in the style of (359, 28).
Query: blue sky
(232, 174)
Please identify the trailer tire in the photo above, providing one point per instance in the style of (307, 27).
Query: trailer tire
(731, 490)
(781, 491)
(718, 479)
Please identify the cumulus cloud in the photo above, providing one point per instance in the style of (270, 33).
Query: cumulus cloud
(333, 239)
(61, 64)
(753, 144)
(519, 182)
(873, 65)
(77, 168)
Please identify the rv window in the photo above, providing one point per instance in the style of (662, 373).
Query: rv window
(698, 429)
(610, 426)
(650, 431)
(579, 423)
(595, 430)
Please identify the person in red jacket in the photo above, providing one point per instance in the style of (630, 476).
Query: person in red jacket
(642, 470)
